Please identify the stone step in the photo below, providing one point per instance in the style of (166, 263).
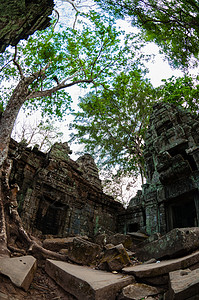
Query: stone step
(163, 267)
(20, 270)
(183, 284)
(86, 283)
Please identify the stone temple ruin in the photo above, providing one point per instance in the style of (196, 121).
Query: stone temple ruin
(59, 196)
(62, 197)
(170, 197)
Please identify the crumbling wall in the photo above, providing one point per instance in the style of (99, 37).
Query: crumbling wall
(57, 196)
(170, 197)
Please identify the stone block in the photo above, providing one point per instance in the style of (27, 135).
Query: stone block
(83, 252)
(86, 283)
(56, 244)
(115, 239)
(118, 238)
(137, 291)
(163, 267)
(20, 270)
(114, 259)
(177, 242)
(183, 284)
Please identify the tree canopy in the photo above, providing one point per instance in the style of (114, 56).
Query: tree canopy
(59, 59)
(181, 91)
(113, 122)
(173, 25)
(51, 61)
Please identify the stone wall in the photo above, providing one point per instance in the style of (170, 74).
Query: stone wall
(19, 19)
(60, 196)
(170, 197)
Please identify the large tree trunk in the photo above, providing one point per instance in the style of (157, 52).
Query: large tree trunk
(6, 125)
(9, 116)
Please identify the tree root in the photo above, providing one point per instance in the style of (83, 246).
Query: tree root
(10, 215)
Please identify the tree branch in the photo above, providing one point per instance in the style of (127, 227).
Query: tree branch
(17, 64)
(60, 86)
(6, 65)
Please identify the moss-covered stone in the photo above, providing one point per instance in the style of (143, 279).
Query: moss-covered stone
(19, 19)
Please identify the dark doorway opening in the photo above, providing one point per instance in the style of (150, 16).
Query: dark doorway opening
(181, 212)
(134, 227)
(51, 216)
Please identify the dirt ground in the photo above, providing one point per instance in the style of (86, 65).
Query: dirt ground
(42, 287)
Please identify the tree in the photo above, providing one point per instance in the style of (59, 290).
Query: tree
(113, 122)
(42, 68)
(122, 188)
(50, 62)
(181, 91)
(41, 133)
(173, 25)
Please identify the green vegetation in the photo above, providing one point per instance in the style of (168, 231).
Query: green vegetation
(51, 61)
(173, 25)
(113, 122)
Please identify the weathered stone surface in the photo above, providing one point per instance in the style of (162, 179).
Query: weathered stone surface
(114, 259)
(183, 284)
(163, 267)
(137, 291)
(170, 197)
(123, 239)
(86, 283)
(56, 244)
(20, 270)
(115, 239)
(83, 252)
(55, 197)
(137, 238)
(19, 19)
(161, 280)
(90, 170)
(177, 242)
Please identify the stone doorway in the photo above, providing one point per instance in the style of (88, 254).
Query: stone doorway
(51, 217)
(133, 227)
(182, 211)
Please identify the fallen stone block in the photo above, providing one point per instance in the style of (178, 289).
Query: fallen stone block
(137, 291)
(163, 267)
(183, 284)
(20, 270)
(56, 244)
(123, 239)
(161, 280)
(177, 242)
(86, 283)
(115, 239)
(114, 259)
(101, 239)
(83, 252)
(138, 237)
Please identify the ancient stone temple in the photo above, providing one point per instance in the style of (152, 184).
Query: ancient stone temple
(170, 197)
(60, 196)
